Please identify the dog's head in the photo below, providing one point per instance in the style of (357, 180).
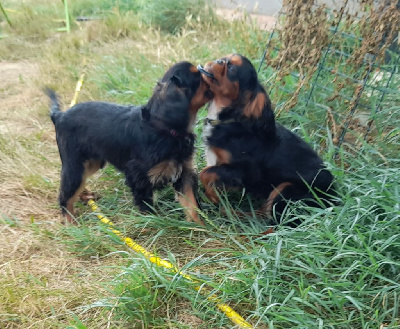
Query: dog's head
(234, 82)
(179, 95)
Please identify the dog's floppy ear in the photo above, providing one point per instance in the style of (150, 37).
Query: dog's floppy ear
(258, 111)
(256, 103)
(177, 81)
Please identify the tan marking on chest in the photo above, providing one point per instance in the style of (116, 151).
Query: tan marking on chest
(166, 171)
(223, 156)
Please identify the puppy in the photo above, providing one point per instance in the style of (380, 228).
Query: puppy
(252, 151)
(152, 145)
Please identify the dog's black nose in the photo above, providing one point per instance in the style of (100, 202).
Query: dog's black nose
(220, 61)
(202, 70)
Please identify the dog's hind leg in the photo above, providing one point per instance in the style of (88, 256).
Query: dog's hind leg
(73, 179)
(91, 167)
(72, 184)
(278, 199)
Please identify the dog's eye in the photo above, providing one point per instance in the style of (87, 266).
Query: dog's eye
(231, 67)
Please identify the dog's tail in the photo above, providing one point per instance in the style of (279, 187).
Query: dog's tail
(55, 111)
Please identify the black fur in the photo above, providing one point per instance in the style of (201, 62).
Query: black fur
(260, 155)
(135, 139)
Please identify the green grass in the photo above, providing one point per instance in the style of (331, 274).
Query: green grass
(339, 269)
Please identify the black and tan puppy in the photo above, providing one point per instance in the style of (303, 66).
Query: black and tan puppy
(252, 151)
(151, 144)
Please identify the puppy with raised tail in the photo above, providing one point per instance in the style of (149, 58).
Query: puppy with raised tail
(152, 144)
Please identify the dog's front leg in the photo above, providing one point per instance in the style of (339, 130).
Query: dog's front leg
(186, 186)
(225, 175)
(139, 183)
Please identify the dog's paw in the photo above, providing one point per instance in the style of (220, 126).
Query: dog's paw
(211, 193)
(86, 195)
(209, 179)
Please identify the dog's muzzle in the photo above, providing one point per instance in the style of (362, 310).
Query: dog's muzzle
(202, 70)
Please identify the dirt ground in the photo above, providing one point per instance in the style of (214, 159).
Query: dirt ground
(264, 22)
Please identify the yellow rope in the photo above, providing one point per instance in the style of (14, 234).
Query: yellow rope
(79, 85)
(227, 310)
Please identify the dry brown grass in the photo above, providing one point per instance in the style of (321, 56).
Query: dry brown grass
(27, 154)
(42, 283)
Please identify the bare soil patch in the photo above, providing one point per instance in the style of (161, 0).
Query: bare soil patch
(264, 22)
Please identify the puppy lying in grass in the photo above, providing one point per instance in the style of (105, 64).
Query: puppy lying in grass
(152, 144)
